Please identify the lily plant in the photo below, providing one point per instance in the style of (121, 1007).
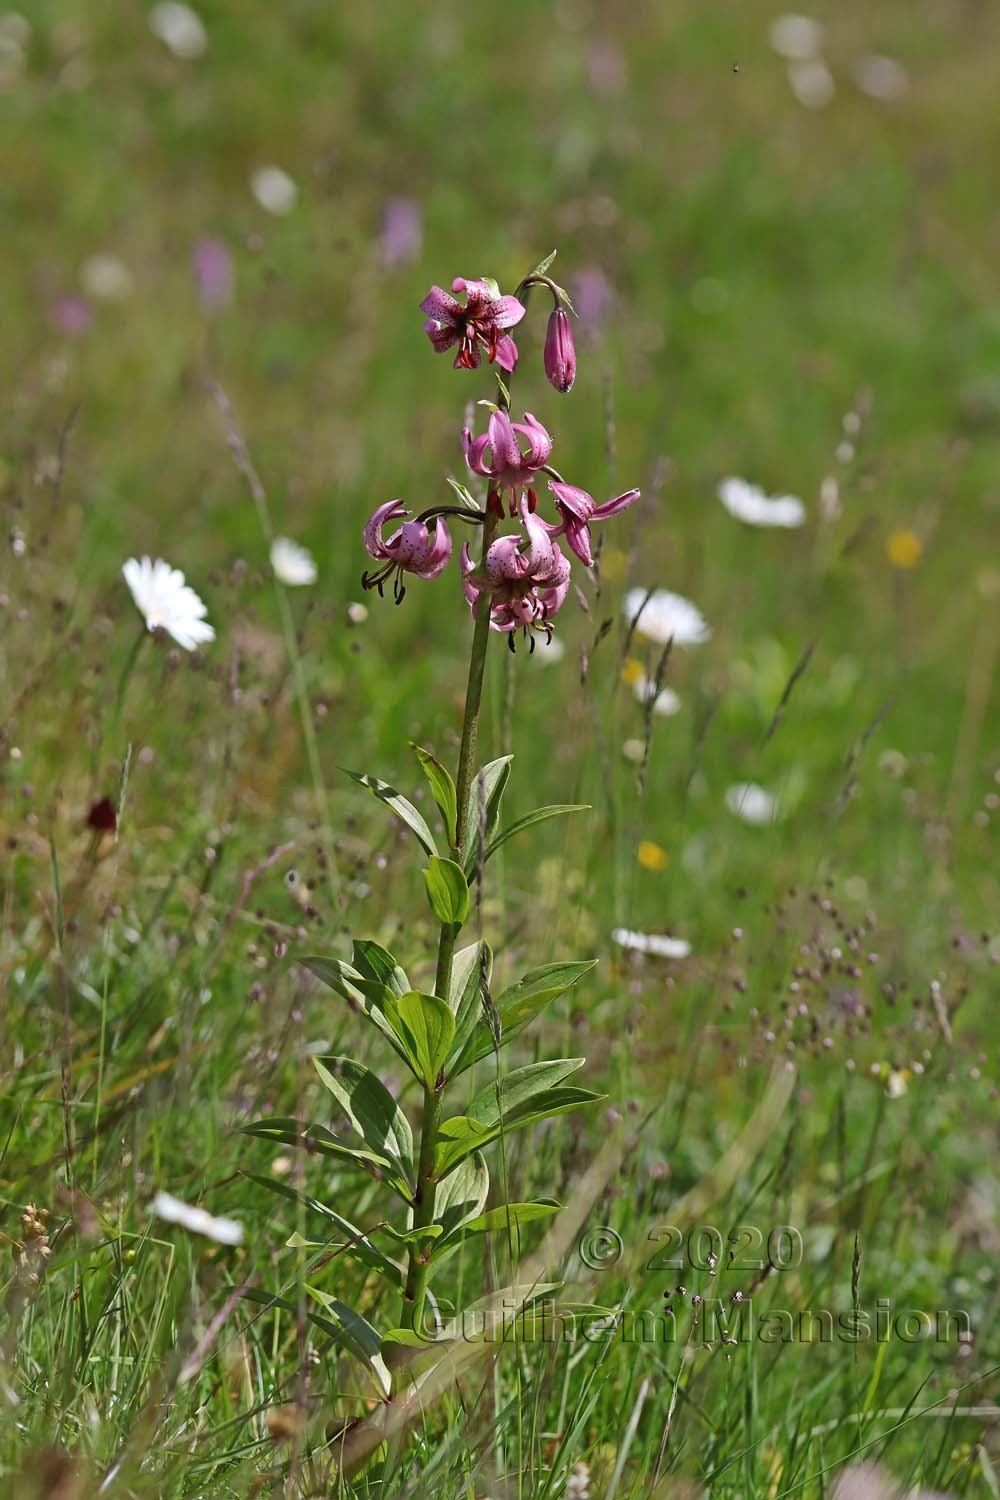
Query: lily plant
(433, 1165)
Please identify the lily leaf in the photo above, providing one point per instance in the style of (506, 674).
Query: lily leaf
(540, 815)
(519, 1004)
(517, 1087)
(471, 968)
(483, 811)
(442, 789)
(461, 1135)
(425, 1026)
(342, 1323)
(357, 1244)
(399, 804)
(370, 995)
(461, 1197)
(317, 1139)
(370, 1108)
(377, 964)
(448, 892)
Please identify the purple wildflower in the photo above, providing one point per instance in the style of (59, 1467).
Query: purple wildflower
(478, 325)
(526, 588)
(213, 271)
(497, 454)
(411, 549)
(578, 510)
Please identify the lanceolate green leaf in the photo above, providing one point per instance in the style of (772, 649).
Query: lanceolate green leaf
(399, 805)
(364, 1340)
(461, 1135)
(518, 1087)
(483, 812)
(368, 994)
(460, 1197)
(471, 968)
(425, 1027)
(356, 1243)
(540, 815)
(442, 789)
(316, 1138)
(370, 1108)
(376, 963)
(342, 1323)
(448, 892)
(520, 1003)
(514, 1214)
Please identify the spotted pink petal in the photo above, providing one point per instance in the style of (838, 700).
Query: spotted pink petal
(573, 501)
(503, 441)
(507, 311)
(539, 441)
(440, 305)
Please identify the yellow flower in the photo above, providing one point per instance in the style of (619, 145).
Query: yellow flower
(632, 671)
(651, 856)
(613, 561)
(904, 549)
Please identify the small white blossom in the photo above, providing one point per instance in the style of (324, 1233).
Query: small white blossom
(797, 38)
(665, 702)
(274, 190)
(881, 78)
(550, 650)
(748, 503)
(651, 942)
(179, 29)
(106, 278)
(293, 565)
(197, 1220)
(166, 602)
(752, 803)
(812, 83)
(665, 616)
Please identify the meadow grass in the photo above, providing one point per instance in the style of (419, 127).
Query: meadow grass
(806, 297)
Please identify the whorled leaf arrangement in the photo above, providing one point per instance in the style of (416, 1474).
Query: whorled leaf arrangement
(439, 1176)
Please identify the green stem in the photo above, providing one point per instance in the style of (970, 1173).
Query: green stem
(423, 1210)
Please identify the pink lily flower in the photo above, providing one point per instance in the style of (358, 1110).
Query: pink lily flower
(526, 588)
(578, 510)
(497, 455)
(476, 326)
(411, 549)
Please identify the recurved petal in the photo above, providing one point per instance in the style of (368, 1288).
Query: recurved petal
(578, 537)
(441, 335)
(573, 501)
(613, 507)
(372, 534)
(505, 353)
(539, 441)
(432, 556)
(503, 441)
(441, 305)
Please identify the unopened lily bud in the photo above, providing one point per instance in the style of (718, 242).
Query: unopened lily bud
(560, 355)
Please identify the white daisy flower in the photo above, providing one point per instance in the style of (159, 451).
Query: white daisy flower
(548, 650)
(752, 803)
(664, 616)
(665, 702)
(106, 278)
(811, 82)
(166, 602)
(747, 502)
(179, 29)
(797, 38)
(197, 1220)
(274, 190)
(292, 564)
(881, 78)
(651, 942)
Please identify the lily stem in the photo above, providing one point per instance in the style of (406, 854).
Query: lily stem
(415, 1292)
